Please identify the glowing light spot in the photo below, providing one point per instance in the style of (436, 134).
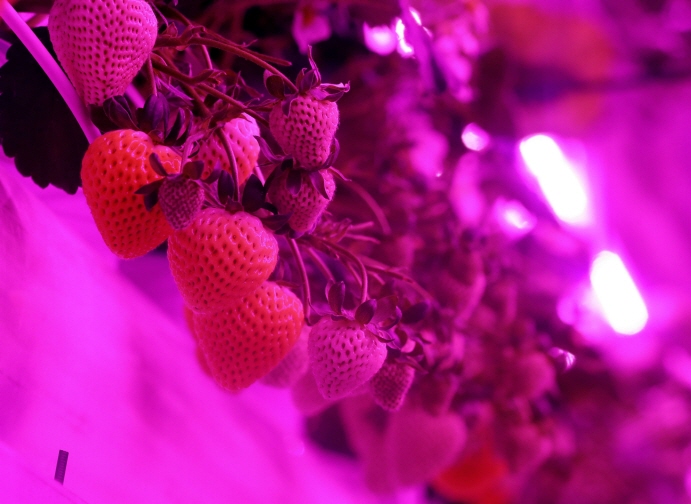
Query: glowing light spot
(565, 356)
(474, 137)
(416, 16)
(513, 218)
(557, 178)
(404, 48)
(380, 39)
(621, 303)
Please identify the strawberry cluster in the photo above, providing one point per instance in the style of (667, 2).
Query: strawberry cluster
(240, 189)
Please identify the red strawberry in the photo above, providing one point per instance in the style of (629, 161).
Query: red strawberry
(114, 167)
(306, 396)
(292, 366)
(250, 336)
(181, 199)
(391, 384)
(240, 133)
(102, 44)
(220, 257)
(343, 355)
(308, 204)
(420, 445)
(307, 132)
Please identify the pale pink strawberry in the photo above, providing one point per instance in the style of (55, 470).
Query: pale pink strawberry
(436, 392)
(181, 199)
(292, 366)
(240, 133)
(308, 204)
(420, 445)
(102, 44)
(306, 396)
(307, 132)
(365, 426)
(343, 355)
(531, 375)
(391, 384)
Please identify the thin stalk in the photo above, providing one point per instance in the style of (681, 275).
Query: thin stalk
(248, 55)
(51, 68)
(303, 273)
(343, 252)
(152, 78)
(231, 159)
(321, 265)
(403, 278)
(372, 204)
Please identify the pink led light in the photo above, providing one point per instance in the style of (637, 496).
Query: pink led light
(557, 178)
(620, 301)
(474, 137)
(404, 48)
(513, 218)
(380, 39)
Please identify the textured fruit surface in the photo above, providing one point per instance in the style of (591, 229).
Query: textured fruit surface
(307, 205)
(307, 133)
(240, 133)
(246, 340)
(102, 44)
(306, 396)
(391, 384)
(220, 257)
(365, 426)
(343, 355)
(292, 366)
(420, 445)
(180, 199)
(114, 167)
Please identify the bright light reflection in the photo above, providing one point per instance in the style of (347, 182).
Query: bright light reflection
(513, 218)
(621, 303)
(380, 39)
(569, 359)
(474, 137)
(404, 48)
(557, 178)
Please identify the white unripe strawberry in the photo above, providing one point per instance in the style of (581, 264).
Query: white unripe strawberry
(102, 44)
(307, 205)
(240, 133)
(292, 366)
(391, 384)
(307, 132)
(343, 355)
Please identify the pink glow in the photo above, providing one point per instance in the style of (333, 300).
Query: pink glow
(567, 357)
(558, 179)
(380, 39)
(621, 303)
(475, 138)
(513, 218)
(404, 48)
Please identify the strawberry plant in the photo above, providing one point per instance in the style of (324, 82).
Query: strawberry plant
(317, 233)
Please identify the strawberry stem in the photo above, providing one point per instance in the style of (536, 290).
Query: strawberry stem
(151, 76)
(343, 252)
(372, 204)
(303, 274)
(321, 265)
(51, 68)
(231, 159)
